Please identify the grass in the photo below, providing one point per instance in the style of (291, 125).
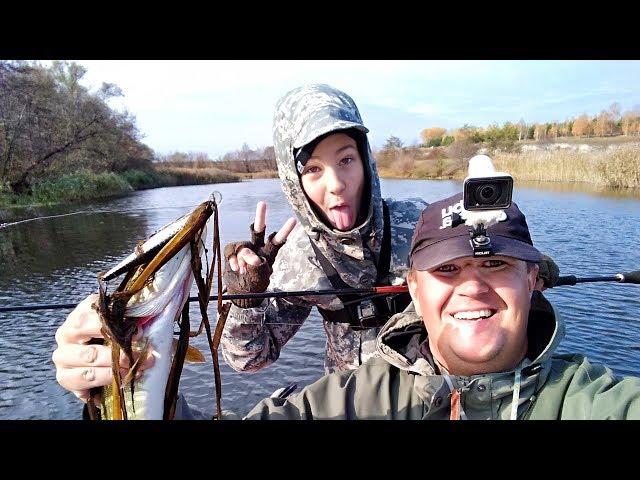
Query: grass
(86, 185)
(440, 168)
(591, 141)
(617, 167)
(265, 174)
(196, 176)
(79, 186)
(615, 164)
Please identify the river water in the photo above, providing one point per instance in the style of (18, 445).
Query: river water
(56, 260)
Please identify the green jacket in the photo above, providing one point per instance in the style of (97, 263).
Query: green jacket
(403, 383)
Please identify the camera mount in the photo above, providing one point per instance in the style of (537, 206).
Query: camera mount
(480, 241)
(487, 194)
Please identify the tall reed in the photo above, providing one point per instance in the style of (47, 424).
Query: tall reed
(616, 166)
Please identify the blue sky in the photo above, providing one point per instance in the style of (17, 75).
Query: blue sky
(216, 106)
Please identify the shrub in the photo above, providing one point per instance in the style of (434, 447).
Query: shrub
(79, 186)
(434, 142)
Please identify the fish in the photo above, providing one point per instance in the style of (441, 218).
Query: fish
(156, 308)
(153, 295)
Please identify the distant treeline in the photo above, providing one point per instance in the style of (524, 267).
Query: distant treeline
(242, 161)
(609, 122)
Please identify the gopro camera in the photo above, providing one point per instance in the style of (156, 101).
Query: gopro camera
(484, 188)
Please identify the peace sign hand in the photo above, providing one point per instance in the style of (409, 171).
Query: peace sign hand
(248, 264)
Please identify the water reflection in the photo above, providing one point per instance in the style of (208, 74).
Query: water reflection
(581, 188)
(64, 243)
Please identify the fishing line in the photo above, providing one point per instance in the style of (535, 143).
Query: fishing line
(82, 212)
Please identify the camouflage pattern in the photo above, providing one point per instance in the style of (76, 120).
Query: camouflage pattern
(253, 337)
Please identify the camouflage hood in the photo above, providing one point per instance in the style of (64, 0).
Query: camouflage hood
(301, 116)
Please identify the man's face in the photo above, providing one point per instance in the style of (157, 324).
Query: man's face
(476, 312)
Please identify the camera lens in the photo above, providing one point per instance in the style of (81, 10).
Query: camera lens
(487, 194)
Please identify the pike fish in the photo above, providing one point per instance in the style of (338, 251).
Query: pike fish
(152, 295)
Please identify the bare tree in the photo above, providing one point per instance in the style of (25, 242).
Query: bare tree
(522, 129)
(269, 156)
(462, 149)
(246, 155)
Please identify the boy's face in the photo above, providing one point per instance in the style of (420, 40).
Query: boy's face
(476, 312)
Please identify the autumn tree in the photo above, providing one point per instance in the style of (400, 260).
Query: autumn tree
(468, 132)
(540, 132)
(564, 129)
(581, 126)
(431, 133)
(603, 124)
(631, 123)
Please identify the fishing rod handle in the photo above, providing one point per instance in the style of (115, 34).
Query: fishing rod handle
(566, 280)
(630, 277)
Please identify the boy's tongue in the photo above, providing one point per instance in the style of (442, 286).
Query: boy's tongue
(342, 217)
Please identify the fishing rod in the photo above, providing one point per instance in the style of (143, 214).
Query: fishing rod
(630, 277)
(386, 290)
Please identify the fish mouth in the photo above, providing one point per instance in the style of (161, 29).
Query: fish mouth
(148, 249)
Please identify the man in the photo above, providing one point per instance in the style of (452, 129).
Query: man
(476, 343)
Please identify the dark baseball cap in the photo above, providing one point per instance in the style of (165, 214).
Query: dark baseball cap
(437, 240)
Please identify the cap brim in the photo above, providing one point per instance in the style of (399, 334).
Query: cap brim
(459, 247)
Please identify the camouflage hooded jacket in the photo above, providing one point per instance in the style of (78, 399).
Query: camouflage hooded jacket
(404, 383)
(253, 337)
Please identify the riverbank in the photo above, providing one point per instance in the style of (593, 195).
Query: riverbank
(607, 166)
(86, 185)
(256, 175)
(612, 167)
(596, 164)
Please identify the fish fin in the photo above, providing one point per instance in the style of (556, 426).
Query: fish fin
(193, 355)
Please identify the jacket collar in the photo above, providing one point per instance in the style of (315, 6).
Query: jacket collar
(403, 342)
